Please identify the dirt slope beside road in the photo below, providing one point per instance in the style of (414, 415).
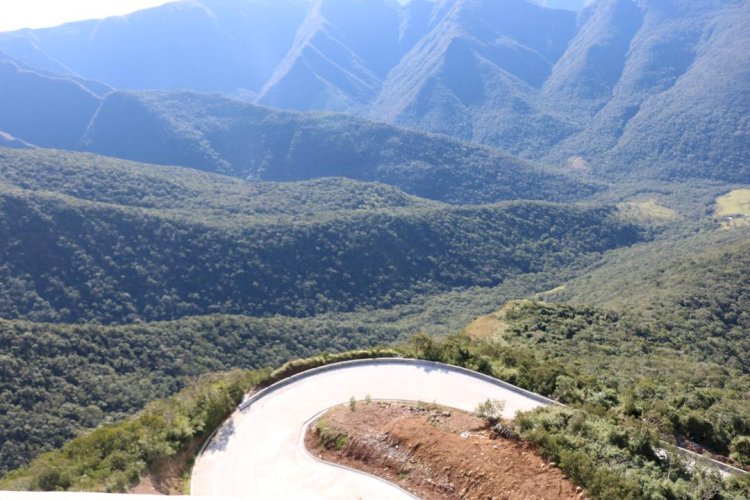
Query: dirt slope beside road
(434, 453)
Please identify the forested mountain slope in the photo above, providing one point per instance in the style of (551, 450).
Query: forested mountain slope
(647, 88)
(72, 259)
(51, 111)
(59, 380)
(226, 136)
(674, 103)
(107, 180)
(218, 134)
(91, 240)
(694, 298)
(476, 75)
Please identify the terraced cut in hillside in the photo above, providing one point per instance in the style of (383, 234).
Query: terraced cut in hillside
(434, 452)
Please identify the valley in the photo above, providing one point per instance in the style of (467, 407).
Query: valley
(204, 197)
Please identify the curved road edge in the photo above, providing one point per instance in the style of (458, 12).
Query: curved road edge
(725, 469)
(302, 433)
(404, 361)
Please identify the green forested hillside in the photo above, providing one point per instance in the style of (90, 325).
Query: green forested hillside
(256, 235)
(58, 380)
(106, 372)
(231, 137)
(71, 260)
(115, 456)
(680, 389)
(668, 330)
(107, 180)
(692, 295)
(623, 88)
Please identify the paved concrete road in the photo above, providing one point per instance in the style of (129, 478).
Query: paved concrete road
(258, 453)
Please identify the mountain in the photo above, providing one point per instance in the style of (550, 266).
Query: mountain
(620, 88)
(667, 327)
(110, 181)
(71, 259)
(8, 141)
(476, 74)
(216, 45)
(42, 109)
(217, 134)
(692, 298)
(673, 97)
(333, 63)
(92, 248)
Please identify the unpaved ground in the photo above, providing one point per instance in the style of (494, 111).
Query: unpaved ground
(436, 453)
(169, 477)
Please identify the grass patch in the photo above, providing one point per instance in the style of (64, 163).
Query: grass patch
(330, 438)
(734, 208)
(646, 212)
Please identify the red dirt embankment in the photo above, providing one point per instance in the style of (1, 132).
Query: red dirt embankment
(435, 452)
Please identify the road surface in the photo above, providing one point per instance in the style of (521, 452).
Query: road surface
(259, 452)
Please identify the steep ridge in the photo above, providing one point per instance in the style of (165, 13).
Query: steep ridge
(211, 45)
(595, 88)
(49, 111)
(655, 112)
(221, 135)
(698, 127)
(8, 141)
(334, 63)
(232, 137)
(477, 73)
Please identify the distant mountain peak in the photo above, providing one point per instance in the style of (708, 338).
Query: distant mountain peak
(533, 78)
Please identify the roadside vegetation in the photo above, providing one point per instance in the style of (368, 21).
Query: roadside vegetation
(114, 457)
(600, 442)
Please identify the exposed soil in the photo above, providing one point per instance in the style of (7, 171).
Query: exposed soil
(435, 453)
(168, 478)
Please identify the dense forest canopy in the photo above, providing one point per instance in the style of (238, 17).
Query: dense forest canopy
(70, 260)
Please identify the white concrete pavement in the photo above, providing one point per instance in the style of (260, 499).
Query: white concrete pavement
(259, 453)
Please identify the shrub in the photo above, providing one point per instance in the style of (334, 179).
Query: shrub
(330, 438)
(491, 410)
(740, 448)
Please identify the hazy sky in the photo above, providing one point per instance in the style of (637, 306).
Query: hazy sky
(16, 14)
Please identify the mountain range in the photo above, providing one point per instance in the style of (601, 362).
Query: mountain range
(621, 87)
(219, 134)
